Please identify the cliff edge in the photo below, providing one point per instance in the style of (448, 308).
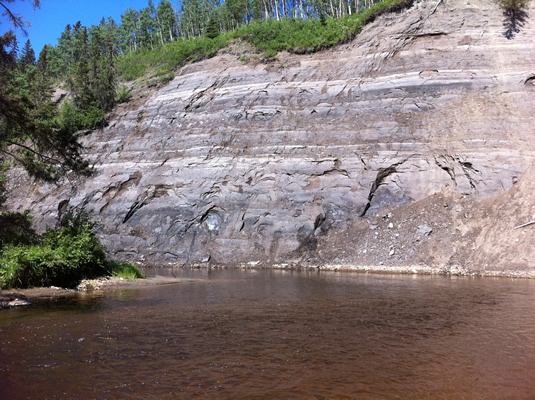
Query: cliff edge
(409, 146)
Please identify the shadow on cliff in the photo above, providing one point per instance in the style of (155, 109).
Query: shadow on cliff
(513, 21)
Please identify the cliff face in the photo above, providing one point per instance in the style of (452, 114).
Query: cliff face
(235, 162)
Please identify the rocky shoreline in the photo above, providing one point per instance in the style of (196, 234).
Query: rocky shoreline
(24, 297)
(411, 145)
(453, 270)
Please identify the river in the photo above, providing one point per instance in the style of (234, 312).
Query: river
(235, 334)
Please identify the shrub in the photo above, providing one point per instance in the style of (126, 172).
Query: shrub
(16, 228)
(61, 257)
(123, 95)
(509, 6)
(305, 36)
(72, 119)
(163, 60)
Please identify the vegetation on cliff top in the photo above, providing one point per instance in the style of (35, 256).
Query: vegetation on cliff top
(269, 36)
(42, 135)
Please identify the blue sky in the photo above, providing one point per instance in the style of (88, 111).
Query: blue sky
(50, 20)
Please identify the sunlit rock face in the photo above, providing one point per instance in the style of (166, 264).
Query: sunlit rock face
(236, 162)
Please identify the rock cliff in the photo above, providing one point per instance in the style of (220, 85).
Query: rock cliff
(380, 151)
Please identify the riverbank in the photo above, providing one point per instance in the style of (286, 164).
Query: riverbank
(23, 297)
(453, 270)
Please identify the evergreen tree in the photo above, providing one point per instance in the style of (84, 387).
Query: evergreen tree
(27, 56)
(27, 131)
(15, 19)
(212, 29)
(79, 76)
(43, 83)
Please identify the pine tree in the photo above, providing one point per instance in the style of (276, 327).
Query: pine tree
(79, 78)
(27, 132)
(43, 83)
(27, 56)
(212, 29)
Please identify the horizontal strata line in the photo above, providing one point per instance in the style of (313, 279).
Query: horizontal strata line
(259, 158)
(445, 78)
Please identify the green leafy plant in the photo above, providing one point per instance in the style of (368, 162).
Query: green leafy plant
(60, 257)
(72, 119)
(124, 270)
(124, 95)
(16, 228)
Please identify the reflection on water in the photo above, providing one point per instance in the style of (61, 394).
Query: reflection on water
(232, 334)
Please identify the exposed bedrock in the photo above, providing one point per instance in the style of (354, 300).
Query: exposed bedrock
(234, 162)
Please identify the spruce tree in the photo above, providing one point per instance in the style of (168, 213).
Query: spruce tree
(212, 29)
(27, 56)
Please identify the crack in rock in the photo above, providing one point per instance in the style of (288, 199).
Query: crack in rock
(381, 176)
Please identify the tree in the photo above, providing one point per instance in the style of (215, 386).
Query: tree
(147, 26)
(212, 29)
(167, 19)
(515, 15)
(15, 19)
(28, 133)
(27, 56)
(102, 74)
(130, 29)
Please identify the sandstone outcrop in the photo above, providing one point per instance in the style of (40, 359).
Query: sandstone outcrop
(247, 162)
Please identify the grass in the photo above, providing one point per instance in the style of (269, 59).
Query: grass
(156, 66)
(124, 270)
(307, 36)
(269, 37)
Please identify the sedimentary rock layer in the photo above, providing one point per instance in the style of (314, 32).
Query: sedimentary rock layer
(236, 162)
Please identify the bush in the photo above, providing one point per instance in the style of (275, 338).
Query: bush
(163, 60)
(306, 36)
(61, 257)
(123, 95)
(72, 119)
(509, 6)
(16, 228)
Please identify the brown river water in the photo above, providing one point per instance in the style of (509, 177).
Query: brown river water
(234, 334)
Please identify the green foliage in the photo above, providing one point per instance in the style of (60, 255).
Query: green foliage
(72, 119)
(27, 56)
(162, 61)
(28, 131)
(509, 6)
(269, 36)
(124, 270)
(16, 228)
(61, 257)
(212, 29)
(305, 36)
(132, 66)
(123, 95)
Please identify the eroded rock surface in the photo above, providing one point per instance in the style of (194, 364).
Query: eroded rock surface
(236, 162)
